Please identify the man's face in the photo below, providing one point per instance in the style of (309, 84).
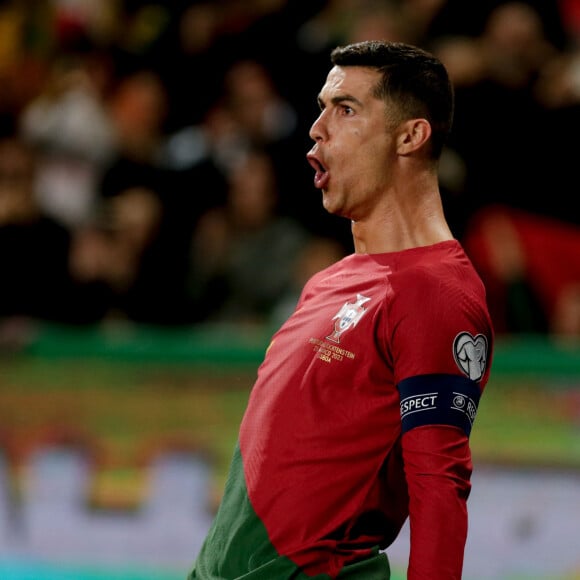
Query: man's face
(354, 147)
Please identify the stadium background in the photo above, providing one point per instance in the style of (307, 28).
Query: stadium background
(116, 428)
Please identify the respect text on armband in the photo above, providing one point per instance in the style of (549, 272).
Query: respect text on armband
(417, 403)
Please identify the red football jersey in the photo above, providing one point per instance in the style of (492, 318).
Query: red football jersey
(381, 365)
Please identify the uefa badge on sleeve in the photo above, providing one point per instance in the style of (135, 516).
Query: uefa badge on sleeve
(470, 353)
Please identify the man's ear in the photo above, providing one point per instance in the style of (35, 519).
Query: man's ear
(412, 135)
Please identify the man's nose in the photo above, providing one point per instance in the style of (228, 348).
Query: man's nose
(317, 131)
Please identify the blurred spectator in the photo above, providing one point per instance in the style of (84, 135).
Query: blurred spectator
(555, 166)
(137, 107)
(514, 90)
(217, 141)
(250, 112)
(531, 268)
(263, 116)
(515, 44)
(191, 61)
(379, 20)
(69, 124)
(558, 84)
(494, 76)
(114, 264)
(198, 158)
(244, 253)
(34, 247)
(194, 162)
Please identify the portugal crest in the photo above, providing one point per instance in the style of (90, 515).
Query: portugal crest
(347, 317)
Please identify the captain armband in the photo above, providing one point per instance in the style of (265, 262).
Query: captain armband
(438, 400)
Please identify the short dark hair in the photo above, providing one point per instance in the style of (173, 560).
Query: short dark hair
(411, 77)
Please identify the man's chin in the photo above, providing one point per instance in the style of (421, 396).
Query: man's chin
(331, 207)
(326, 201)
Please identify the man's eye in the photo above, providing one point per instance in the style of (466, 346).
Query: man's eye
(347, 110)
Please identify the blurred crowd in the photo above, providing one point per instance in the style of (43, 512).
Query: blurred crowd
(152, 154)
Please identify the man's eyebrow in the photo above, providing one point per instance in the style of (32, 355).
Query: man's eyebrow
(338, 100)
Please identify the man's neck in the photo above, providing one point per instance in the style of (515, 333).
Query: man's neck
(402, 226)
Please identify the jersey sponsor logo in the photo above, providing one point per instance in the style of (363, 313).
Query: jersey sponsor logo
(347, 317)
(470, 353)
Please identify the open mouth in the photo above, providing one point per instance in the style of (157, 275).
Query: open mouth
(321, 175)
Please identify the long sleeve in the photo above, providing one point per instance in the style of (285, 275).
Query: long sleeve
(438, 469)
